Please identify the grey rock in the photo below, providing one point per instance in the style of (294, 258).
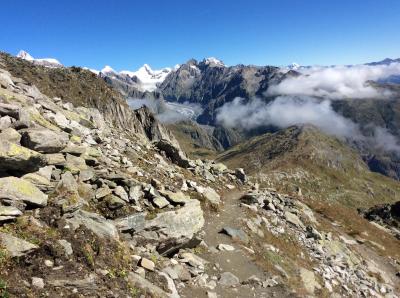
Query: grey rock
(309, 281)
(114, 202)
(240, 174)
(147, 264)
(75, 164)
(16, 157)
(175, 197)
(131, 223)
(173, 229)
(100, 226)
(5, 122)
(11, 135)
(56, 159)
(142, 283)
(86, 283)
(120, 192)
(212, 196)
(16, 247)
(19, 190)
(174, 153)
(9, 211)
(160, 202)
(66, 246)
(38, 282)
(236, 234)
(293, 219)
(86, 175)
(102, 192)
(227, 279)
(39, 181)
(9, 110)
(44, 140)
(135, 193)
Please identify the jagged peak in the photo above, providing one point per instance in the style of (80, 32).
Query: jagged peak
(25, 55)
(212, 61)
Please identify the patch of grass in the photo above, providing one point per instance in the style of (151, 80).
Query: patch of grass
(133, 291)
(3, 289)
(88, 254)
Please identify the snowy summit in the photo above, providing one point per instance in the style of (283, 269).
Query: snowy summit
(48, 62)
(211, 61)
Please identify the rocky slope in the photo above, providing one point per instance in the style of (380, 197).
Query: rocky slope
(96, 205)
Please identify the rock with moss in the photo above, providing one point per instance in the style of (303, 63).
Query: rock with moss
(16, 247)
(100, 226)
(44, 140)
(39, 181)
(11, 135)
(173, 229)
(17, 158)
(75, 164)
(14, 190)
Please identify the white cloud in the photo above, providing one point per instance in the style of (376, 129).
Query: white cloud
(337, 81)
(286, 111)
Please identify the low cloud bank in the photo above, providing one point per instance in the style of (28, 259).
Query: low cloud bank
(167, 112)
(286, 111)
(337, 81)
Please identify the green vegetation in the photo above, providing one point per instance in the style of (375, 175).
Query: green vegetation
(321, 166)
(3, 289)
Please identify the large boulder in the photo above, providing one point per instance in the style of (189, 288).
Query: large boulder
(17, 158)
(14, 190)
(169, 230)
(174, 153)
(100, 226)
(9, 110)
(16, 247)
(11, 135)
(44, 140)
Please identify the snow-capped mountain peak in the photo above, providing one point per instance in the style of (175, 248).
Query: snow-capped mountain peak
(212, 61)
(25, 55)
(294, 66)
(108, 70)
(148, 77)
(48, 62)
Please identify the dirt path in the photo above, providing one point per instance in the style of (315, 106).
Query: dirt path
(238, 262)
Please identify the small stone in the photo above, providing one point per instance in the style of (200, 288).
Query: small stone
(212, 196)
(225, 247)
(211, 295)
(147, 264)
(114, 202)
(66, 246)
(141, 272)
(49, 263)
(102, 192)
(293, 219)
(240, 174)
(120, 192)
(160, 202)
(228, 279)
(38, 282)
(236, 234)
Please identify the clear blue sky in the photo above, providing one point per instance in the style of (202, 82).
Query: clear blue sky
(127, 34)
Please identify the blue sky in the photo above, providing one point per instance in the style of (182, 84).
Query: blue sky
(127, 34)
